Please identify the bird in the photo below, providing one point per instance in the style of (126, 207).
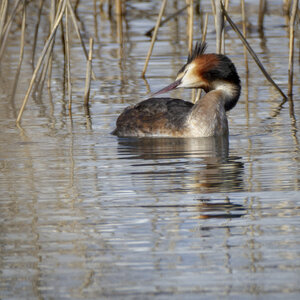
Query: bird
(172, 117)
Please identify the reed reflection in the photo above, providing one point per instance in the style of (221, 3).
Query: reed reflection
(189, 164)
(223, 209)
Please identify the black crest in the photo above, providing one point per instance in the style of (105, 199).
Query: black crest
(198, 50)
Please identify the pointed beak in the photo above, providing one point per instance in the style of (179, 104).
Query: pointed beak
(168, 88)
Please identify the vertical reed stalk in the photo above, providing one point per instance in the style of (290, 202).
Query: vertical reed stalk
(52, 19)
(11, 17)
(204, 29)
(190, 23)
(213, 7)
(36, 31)
(219, 23)
(43, 74)
(190, 35)
(88, 74)
(73, 16)
(245, 34)
(119, 15)
(67, 40)
(22, 42)
(223, 29)
(3, 13)
(118, 7)
(286, 6)
(7, 27)
(252, 53)
(162, 9)
(41, 59)
(291, 47)
(204, 32)
(167, 19)
(226, 4)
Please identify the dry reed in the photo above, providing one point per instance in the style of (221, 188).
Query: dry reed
(119, 7)
(204, 32)
(149, 32)
(3, 14)
(286, 6)
(219, 25)
(51, 19)
(291, 47)
(245, 34)
(250, 50)
(7, 26)
(162, 9)
(44, 63)
(21, 55)
(36, 31)
(41, 59)
(88, 74)
(190, 33)
(190, 23)
(40, 81)
(72, 13)
(68, 64)
(204, 29)
(119, 18)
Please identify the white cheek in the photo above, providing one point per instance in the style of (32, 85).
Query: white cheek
(188, 82)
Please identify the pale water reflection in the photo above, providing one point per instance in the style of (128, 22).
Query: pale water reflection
(85, 214)
(193, 165)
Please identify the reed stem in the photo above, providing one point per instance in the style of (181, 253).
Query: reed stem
(190, 35)
(88, 74)
(291, 48)
(190, 23)
(204, 32)
(245, 34)
(67, 40)
(52, 19)
(162, 9)
(73, 16)
(7, 27)
(149, 32)
(22, 43)
(43, 73)
(119, 17)
(3, 14)
(204, 29)
(41, 59)
(286, 6)
(118, 7)
(252, 53)
(219, 23)
(36, 31)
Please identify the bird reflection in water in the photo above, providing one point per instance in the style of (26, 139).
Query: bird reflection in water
(192, 165)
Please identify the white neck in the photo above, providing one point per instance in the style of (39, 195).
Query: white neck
(230, 90)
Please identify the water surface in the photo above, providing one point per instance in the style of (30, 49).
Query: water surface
(85, 214)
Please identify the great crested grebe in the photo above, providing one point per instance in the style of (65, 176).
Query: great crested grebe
(169, 117)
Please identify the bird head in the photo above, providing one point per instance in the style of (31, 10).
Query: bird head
(204, 71)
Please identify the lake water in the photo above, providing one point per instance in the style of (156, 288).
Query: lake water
(85, 214)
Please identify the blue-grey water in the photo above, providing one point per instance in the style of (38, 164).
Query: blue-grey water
(87, 215)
